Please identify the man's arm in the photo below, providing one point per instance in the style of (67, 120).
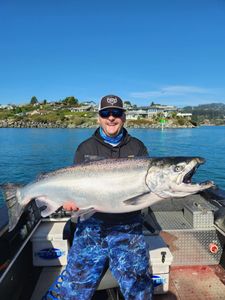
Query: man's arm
(78, 157)
(143, 150)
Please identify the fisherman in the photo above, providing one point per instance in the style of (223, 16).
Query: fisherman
(114, 240)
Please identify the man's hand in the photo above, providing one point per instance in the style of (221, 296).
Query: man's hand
(69, 205)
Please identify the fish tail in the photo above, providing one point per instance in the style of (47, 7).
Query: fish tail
(15, 209)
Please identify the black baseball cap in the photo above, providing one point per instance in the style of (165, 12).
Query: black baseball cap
(111, 101)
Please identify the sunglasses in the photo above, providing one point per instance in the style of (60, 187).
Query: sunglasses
(116, 113)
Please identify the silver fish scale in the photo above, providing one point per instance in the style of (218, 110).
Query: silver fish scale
(102, 165)
(89, 185)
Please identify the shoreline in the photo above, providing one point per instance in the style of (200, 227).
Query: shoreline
(44, 126)
(54, 126)
(142, 123)
(93, 124)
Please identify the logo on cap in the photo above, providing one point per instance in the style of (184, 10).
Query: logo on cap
(111, 100)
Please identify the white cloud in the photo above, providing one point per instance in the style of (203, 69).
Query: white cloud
(180, 95)
(144, 95)
(173, 90)
(182, 89)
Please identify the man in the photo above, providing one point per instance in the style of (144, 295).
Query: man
(108, 239)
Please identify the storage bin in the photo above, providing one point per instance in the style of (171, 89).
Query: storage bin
(199, 215)
(160, 259)
(49, 248)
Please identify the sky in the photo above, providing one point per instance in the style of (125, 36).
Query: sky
(169, 52)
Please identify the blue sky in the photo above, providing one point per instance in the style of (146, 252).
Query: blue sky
(165, 51)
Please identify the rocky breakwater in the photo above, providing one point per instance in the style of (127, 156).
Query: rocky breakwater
(29, 124)
(157, 126)
(143, 123)
(35, 124)
(171, 123)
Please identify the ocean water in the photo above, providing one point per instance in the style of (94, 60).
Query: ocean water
(26, 153)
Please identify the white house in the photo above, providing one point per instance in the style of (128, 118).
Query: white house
(81, 108)
(139, 112)
(187, 115)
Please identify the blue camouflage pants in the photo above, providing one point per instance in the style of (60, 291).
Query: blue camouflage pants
(96, 243)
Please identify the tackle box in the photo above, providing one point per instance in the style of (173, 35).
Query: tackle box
(199, 215)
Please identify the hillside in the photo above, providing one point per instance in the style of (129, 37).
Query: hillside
(63, 115)
(213, 113)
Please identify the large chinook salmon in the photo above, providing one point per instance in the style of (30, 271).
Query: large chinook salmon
(110, 186)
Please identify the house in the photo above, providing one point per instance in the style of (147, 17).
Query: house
(89, 103)
(7, 106)
(147, 112)
(37, 112)
(138, 113)
(185, 115)
(165, 110)
(83, 108)
(127, 105)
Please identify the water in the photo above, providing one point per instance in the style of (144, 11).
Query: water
(25, 153)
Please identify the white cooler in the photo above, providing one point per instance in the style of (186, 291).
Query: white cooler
(160, 259)
(49, 248)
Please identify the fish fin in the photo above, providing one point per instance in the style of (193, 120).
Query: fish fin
(46, 206)
(15, 209)
(83, 213)
(135, 200)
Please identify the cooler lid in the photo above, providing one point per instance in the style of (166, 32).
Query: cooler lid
(49, 231)
(158, 250)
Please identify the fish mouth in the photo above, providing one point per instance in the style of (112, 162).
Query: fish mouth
(187, 179)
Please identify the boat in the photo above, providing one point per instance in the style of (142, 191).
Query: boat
(185, 236)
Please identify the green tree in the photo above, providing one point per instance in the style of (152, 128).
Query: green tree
(17, 110)
(70, 101)
(33, 100)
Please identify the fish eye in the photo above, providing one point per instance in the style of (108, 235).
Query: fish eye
(178, 168)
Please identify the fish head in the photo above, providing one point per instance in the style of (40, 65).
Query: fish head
(171, 176)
